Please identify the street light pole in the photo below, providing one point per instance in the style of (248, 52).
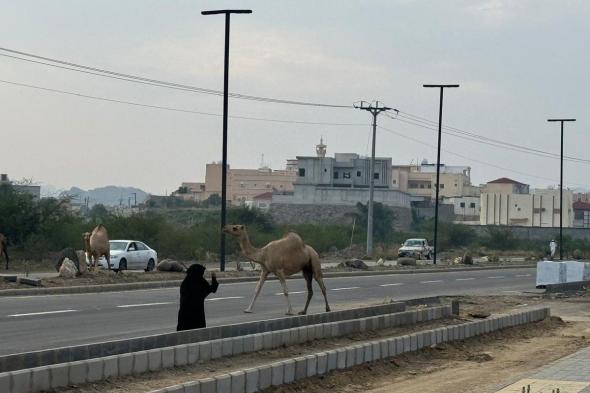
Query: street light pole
(442, 87)
(561, 189)
(227, 14)
(374, 110)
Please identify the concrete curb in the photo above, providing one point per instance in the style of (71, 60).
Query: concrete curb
(93, 370)
(176, 283)
(325, 362)
(46, 357)
(566, 286)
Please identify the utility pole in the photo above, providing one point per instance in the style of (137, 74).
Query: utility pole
(442, 87)
(134, 198)
(374, 110)
(227, 14)
(561, 189)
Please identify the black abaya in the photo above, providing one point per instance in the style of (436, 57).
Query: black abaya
(193, 291)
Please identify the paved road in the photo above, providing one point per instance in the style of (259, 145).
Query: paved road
(39, 322)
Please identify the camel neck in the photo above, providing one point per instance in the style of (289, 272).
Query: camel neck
(249, 251)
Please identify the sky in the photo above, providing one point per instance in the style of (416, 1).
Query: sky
(517, 63)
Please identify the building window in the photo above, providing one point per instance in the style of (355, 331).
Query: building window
(429, 185)
(472, 205)
(358, 173)
(242, 184)
(335, 175)
(394, 181)
(442, 186)
(462, 204)
(301, 172)
(421, 185)
(376, 176)
(267, 185)
(455, 185)
(346, 175)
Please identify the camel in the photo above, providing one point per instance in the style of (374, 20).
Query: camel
(97, 245)
(4, 248)
(283, 258)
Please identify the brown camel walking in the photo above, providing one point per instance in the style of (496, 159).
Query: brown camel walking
(4, 248)
(282, 257)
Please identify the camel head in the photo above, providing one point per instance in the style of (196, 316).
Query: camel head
(235, 230)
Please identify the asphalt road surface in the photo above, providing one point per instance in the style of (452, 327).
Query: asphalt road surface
(39, 322)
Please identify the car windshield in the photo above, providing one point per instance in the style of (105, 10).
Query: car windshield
(118, 246)
(413, 243)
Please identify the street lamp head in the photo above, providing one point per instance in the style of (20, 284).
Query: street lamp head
(432, 85)
(561, 119)
(216, 12)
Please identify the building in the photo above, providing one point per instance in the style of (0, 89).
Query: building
(261, 201)
(508, 202)
(342, 180)
(190, 191)
(420, 180)
(581, 214)
(33, 190)
(466, 208)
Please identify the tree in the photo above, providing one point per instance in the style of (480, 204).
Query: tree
(19, 216)
(383, 220)
(213, 200)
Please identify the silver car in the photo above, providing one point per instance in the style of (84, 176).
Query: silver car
(130, 255)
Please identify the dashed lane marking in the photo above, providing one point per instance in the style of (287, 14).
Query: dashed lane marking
(290, 293)
(392, 285)
(223, 298)
(143, 305)
(430, 282)
(496, 277)
(42, 313)
(344, 289)
(464, 279)
(523, 275)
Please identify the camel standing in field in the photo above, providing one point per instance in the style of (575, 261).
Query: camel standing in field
(4, 248)
(282, 257)
(97, 245)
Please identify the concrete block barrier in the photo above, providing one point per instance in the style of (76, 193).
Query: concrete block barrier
(33, 359)
(324, 362)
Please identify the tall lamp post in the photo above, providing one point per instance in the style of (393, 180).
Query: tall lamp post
(227, 14)
(561, 189)
(441, 87)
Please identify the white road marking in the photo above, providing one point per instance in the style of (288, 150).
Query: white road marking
(523, 275)
(42, 313)
(464, 279)
(142, 305)
(223, 298)
(496, 277)
(430, 282)
(290, 293)
(511, 291)
(344, 289)
(392, 285)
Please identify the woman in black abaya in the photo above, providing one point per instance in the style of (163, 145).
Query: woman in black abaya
(193, 291)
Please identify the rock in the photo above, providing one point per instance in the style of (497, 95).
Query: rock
(83, 265)
(578, 254)
(484, 259)
(69, 253)
(457, 260)
(67, 269)
(169, 265)
(480, 357)
(380, 262)
(479, 314)
(467, 259)
(354, 264)
(405, 261)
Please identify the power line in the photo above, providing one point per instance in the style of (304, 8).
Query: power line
(474, 159)
(70, 66)
(172, 109)
(426, 123)
(494, 142)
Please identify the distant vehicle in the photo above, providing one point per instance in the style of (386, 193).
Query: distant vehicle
(130, 255)
(416, 248)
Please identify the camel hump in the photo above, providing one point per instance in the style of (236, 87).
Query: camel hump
(100, 228)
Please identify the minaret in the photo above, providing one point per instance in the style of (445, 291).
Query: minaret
(321, 148)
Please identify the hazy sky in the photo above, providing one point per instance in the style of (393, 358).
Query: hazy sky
(518, 63)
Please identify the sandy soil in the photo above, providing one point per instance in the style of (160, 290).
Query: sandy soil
(470, 366)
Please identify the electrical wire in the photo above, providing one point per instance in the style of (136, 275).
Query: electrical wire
(167, 108)
(474, 159)
(153, 82)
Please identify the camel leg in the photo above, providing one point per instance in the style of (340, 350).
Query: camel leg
(307, 274)
(317, 273)
(263, 276)
(320, 281)
(6, 256)
(281, 277)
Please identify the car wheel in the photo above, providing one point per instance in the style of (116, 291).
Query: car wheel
(123, 264)
(150, 265)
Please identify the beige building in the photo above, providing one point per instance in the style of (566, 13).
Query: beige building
(420, 180)
(242, 184)
(508, 202)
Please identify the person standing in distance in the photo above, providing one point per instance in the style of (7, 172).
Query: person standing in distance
(552, 248)
(193, 291)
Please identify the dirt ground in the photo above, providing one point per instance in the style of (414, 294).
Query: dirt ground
(475, 365)
(481, 364)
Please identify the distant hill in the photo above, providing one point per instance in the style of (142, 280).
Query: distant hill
(108, 196)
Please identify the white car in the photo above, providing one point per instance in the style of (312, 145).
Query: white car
(130, 255)
(416, 248)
